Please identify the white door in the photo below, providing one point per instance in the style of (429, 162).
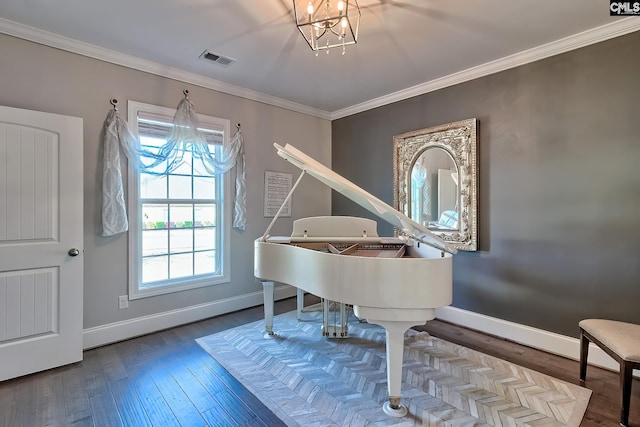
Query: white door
(40, 228)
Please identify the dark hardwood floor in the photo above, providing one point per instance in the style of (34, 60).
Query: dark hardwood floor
(166, 379)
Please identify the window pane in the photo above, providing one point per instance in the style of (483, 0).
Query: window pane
(205, 262)
(199, 168)
(161, 167)
(149, 143)
(153, 186)
(181, 265)
(181, 215)
(154, 242)
(185, 165)
(155, 269)
(205, 238)
(179, 187)
(154, 216)
(181, 240)
(204, 188)
(205, 215)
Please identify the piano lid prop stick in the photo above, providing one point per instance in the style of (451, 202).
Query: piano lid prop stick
(266, 233)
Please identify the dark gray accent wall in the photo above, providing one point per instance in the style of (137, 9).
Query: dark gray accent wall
(559, 183)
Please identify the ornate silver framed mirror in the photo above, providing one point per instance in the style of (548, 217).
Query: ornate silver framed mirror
(435, 180)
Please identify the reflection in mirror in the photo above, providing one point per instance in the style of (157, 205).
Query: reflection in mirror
(435, 180)
(434, 190)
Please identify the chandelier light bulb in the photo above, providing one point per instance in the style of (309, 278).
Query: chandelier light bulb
(344, 22)
(340, 5)
(310, 9)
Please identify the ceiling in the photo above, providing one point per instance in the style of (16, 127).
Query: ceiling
(405, 47)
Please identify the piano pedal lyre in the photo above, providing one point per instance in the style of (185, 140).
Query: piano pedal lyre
(336, 311)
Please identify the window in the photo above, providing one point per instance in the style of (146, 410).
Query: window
(178, 222)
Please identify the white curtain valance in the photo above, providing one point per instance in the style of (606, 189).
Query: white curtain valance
(184, 136)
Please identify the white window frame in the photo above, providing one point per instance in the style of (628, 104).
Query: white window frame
(135, 217)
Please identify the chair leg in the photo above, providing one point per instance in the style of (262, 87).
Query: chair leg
(626, 375)
(584, 353)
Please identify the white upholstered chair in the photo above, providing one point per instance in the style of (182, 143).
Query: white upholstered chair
(619, 340)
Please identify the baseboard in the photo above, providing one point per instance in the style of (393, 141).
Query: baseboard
(561, 345)
(118, 331)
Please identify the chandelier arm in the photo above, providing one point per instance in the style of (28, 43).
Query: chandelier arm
(319, 36)
(326, 22)
(334, 32)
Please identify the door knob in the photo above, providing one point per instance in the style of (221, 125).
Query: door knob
(74, 252)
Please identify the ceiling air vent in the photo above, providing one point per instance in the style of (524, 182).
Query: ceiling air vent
(224, 61)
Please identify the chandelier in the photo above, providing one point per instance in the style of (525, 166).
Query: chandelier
(326, 24)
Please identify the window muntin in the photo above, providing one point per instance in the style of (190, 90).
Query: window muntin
(178, 221)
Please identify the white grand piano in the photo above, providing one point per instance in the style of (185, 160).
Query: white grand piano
(394, 282)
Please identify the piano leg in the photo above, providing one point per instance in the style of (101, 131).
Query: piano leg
(395, 330)
(267, 290)
(395, 354)
(299, 303)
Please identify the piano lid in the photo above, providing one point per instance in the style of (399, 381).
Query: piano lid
(366, 200)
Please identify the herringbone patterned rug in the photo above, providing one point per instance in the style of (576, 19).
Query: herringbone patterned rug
(308, 380)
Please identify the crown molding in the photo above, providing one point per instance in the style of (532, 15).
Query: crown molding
(576, 41)
(92, 51)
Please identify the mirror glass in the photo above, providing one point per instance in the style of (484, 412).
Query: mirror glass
(435, 180)
(434, 190)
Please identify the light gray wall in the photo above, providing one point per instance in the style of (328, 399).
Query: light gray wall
(559, 183)
(36, 77)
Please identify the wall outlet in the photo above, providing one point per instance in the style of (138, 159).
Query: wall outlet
(123, 302)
